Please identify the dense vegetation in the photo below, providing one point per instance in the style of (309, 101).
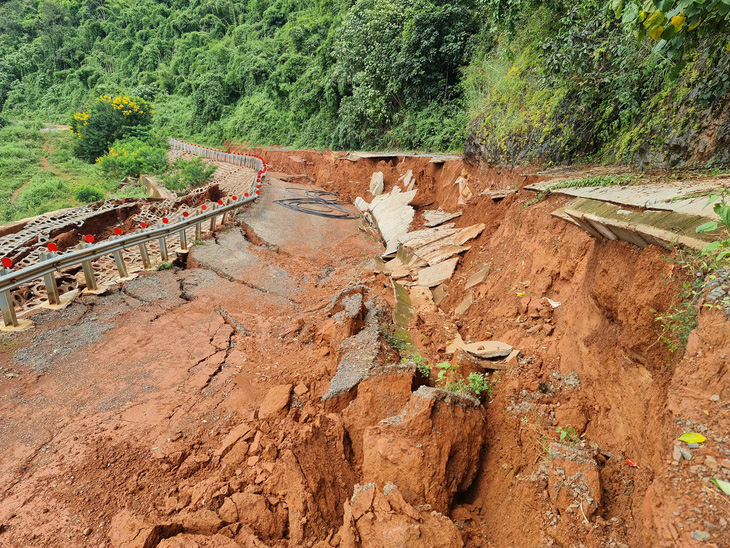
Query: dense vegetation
(544, 79)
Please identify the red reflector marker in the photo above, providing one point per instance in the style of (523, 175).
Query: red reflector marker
(52, 248)
(143, 225)
(89, 238)
(7, 263)
(165, 220)
(185, 213)
(118, 231)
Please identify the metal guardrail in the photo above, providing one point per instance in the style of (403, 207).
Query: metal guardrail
(11, 280)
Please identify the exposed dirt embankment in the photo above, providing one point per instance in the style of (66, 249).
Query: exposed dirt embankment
(258, 397)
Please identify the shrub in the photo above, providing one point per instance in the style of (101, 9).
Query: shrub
(107, 120)
(88, 194)
(189, 174)
(130, 158)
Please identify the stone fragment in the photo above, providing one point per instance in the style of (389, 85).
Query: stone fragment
(725, 463)
(378, 397)
(488, 349)
(702, 536)
(381, 518)
(677, 453)
(376, 183)
(300, 389)
(203, 522)
(478, 277)
(276, 402)
(228, 511)
(438, 431)
(130, 531)
(230, 440)
(437, 274)
(573, 479)
(715, 397)
(711, 463)
(253, 511)
(456, 345)
(686, 453)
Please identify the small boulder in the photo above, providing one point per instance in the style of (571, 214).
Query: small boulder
(381, 518)
(438, 431)
(573, 480)
(276, 402)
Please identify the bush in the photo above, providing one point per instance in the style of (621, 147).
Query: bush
(88, 194)
(109, 119)
(189, 174)
(130, 158)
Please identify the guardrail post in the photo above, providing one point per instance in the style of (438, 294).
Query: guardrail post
(89, 274)
(50, 281)
(6, 304)
(212, 220)
(121, 267)
(183, 240)
(145, 256)
(198, 228)
(163, 249)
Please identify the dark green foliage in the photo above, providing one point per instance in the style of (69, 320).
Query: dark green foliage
(108, 119)
(88, 194)
(259, 72)
(131, 157)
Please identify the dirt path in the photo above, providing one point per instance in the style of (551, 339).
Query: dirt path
(46, 166)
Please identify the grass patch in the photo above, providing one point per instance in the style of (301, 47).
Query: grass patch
(39, 173)
(590, 181)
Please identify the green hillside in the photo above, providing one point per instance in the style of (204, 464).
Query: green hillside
(520, 80)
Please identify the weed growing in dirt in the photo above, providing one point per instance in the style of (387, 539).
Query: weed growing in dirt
(720, 248)
(568, 435)
(680, 319)
(164, 266)
(597, 180)
(475, 384)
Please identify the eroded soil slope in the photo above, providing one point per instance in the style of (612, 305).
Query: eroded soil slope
(257, 397)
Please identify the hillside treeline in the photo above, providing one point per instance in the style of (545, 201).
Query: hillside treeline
(521, 80)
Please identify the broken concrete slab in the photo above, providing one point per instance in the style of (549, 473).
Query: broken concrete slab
(437, 274)
(439, 294)
(456, 345)
(393, 216)
(488, 349)
(404, 309)
(465, 358)
(478, 277)
(435, 217)
(361, 205)
(662, 228)
(439, 245)
(497, 195)
(377, 183)
(464, 305)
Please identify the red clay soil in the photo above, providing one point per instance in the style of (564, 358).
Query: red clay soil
(185, 409)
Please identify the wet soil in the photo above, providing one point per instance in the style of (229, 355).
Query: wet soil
(186, 408)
